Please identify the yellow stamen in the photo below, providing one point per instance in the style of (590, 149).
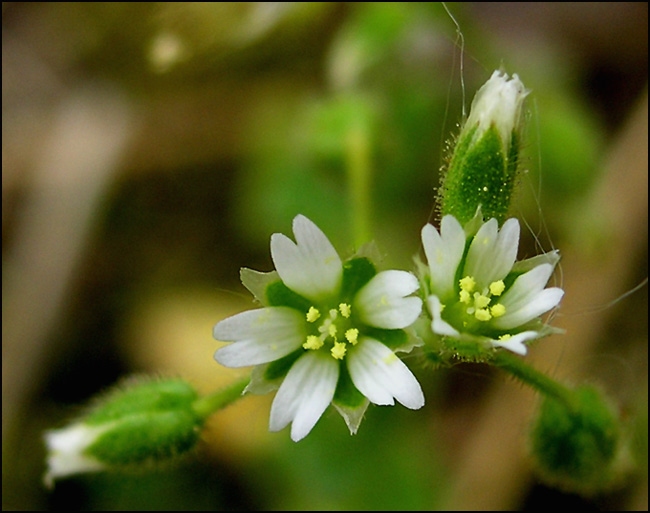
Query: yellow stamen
(497, 310)
(464, 297)
(480, 301)
(345, 310)
(467, 283)
(505, 337)
(332, 331)
(352, 335)
(313, 342)
(339, 349)
(313, 314)
(482, 314)
(497, 287)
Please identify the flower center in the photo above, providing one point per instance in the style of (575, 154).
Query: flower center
(335, 330)
(478, 303)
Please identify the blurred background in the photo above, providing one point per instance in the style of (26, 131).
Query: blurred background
(149, 150)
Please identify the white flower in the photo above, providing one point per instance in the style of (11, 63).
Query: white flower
(327, 334)
(481, 295)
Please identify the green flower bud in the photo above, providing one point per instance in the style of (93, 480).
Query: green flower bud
(483, 166)
(576, 448)
(140, 423)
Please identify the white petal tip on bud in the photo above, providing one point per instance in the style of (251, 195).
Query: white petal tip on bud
(498, 101)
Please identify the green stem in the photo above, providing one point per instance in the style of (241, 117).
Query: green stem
(358, 169)
(215, 401)
(534, 378)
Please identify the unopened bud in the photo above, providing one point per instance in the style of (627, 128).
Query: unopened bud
(483, 166)
(140, 423)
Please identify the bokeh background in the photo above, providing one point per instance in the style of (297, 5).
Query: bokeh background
(149, 150)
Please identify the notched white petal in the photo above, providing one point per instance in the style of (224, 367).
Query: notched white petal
(381, 376)
(259, 336)
(444, 252)
(304, 394)
(524, 289)
(381, 302)
(311, 266)
(492, 253)
(536, 305)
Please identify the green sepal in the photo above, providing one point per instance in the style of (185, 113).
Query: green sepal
(278, 294)
(148, 437)
(479, 174)
(144, 422)
(346, 394)
(393, 339)
(356, 273)
(136, 397)
(279, 368)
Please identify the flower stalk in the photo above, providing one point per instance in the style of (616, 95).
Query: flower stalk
(534, 378)
(211, 403)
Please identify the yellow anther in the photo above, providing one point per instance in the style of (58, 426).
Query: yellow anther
(332, 330)
(464, 297)
(345, 310)
(497, 310)
(352, 335)
(482, 314)
(313, 342)
(497, 287)
(313, 314)
(505, 337)
(481, 301)
(339, 349)
(467, 283)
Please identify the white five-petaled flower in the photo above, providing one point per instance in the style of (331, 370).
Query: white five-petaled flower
(480, 294)
(328, 333)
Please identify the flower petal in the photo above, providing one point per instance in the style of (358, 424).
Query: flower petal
(259, 336)
(437, 324)
(381, 302)
(443, 253)
(526, 299)
(381, 376)
(516, 342)
(305, 394)
(538, 304)
(492, 253)
(311, 266)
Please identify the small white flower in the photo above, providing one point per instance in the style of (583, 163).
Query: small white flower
(327, 334)
(482, 295)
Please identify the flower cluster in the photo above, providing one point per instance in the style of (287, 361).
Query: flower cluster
(476, 293)
(327, 333)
